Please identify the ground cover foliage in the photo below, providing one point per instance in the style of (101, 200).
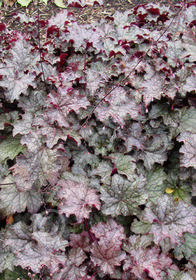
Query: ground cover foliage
(98, 147)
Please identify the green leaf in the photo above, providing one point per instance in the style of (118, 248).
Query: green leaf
(77, 178)
(155, 186)
(170, 118)
(84, 162)
(140, 227)
(3, 170)
(189, 246)
(138, 241)
(178, 183)
(6, 257)
(177, 275)
(59, 3)
(103, 141)
(183, 192)
(17, 273)
(10, 148)
(103, 170)
(173, 52)
(122, 197)
(24, 3)
(156, 146)
(188, 121)
(125, 165)
(4, 118)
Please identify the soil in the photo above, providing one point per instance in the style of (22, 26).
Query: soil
(83, 15)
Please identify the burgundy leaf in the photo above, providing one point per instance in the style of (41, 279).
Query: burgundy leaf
(119, 106)
(77, 199)
(63, 102)
(107, 252)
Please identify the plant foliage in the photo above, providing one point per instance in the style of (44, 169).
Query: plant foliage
(97, 147)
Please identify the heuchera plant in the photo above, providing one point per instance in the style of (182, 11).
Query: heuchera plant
(98, 147)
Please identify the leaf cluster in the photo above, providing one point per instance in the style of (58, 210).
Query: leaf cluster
(97, 153)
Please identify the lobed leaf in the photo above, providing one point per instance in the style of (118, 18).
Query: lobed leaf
(169, 219)
(77, 199)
